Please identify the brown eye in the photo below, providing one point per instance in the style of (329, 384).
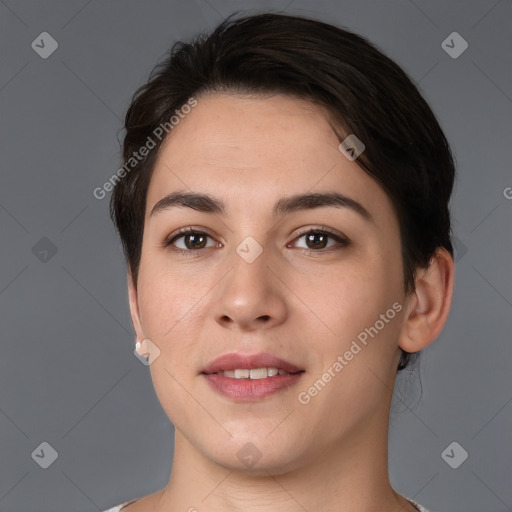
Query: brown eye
(320, 240)
(317, 240)
(196, 241)
(190, 240)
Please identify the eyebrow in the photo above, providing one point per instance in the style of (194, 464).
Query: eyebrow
(286, 205)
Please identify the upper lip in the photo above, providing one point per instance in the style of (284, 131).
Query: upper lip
(234, 361)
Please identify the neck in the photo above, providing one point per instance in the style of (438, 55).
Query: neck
(351, 475)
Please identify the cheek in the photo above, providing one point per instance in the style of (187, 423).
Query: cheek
(170, 307)
(172, 304)
(163, 293)
(353, 295)
(160, 306)
(355, 356)
(157, 307)
(354, 305)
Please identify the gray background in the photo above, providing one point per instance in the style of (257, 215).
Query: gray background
(68, 374)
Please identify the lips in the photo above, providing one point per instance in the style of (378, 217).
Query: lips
(235, 361)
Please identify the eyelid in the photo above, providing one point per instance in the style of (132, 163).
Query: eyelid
(317, 229)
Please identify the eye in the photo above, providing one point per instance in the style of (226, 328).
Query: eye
(318, 240)
(189, 239)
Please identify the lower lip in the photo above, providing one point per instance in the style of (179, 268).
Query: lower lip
(251, 389)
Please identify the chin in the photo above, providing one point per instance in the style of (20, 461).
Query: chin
(255, 453)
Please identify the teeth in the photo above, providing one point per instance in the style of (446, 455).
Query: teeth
(258, 373)
(255, 373)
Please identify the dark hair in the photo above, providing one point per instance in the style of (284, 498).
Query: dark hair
(362, 91)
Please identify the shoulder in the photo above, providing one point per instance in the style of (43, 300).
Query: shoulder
(142, 503)
(418, 506)
(115, 509)
(118, 508)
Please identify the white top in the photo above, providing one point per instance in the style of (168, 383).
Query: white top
(118, 508)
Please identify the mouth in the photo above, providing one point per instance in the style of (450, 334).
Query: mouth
(244, 377)
(250, 366)
(253, 374)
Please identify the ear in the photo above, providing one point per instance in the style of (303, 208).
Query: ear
(134, 307)
(429, 304)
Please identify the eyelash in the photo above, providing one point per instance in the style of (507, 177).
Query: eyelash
(342, 241)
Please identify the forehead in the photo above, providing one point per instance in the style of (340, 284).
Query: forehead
(249, 129)
(243, 148)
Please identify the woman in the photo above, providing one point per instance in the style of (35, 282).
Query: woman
(283, 208)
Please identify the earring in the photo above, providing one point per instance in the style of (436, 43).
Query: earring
(146, 351)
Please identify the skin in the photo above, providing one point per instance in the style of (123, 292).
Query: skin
(307, 308)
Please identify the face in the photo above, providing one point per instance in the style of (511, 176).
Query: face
(317, 285)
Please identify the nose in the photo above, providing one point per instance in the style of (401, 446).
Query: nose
(251, 296)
